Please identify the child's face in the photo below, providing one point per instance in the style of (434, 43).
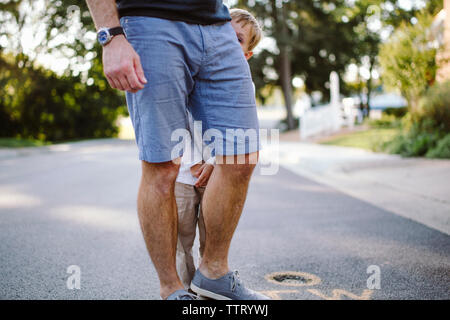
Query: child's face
(243, 34)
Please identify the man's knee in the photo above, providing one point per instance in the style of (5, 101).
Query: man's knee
(160, 176)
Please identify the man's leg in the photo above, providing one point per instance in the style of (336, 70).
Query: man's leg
(223, 99)
(157, 212)
(169, 52)
(222, 206)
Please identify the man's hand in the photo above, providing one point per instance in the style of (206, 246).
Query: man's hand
(202, 172)
(122, 65)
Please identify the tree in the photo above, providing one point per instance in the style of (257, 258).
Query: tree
(374, 17)
(309, 43)
(41, 104)
(314, 38)
(408, 61)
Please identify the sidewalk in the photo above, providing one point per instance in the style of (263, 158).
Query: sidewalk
(414, 188)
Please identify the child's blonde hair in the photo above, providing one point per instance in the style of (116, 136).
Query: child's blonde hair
(245, 17)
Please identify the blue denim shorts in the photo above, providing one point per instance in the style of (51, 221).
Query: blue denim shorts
(196, 68)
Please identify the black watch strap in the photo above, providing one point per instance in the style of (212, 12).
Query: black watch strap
(116, 31)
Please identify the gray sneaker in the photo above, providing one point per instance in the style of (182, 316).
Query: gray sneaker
(229, 287)
(181, 295)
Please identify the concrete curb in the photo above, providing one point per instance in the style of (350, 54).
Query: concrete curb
(10, 153)
(413, 188)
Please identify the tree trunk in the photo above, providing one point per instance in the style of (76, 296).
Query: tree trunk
(369, 84)
(285, 79)
(369, 92)
(285, 62)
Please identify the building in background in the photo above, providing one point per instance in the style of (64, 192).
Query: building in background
(441, 26)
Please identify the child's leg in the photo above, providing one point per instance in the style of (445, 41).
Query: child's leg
(201, 226)
(187, 202)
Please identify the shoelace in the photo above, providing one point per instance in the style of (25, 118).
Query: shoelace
(186, 296)
(235, 280)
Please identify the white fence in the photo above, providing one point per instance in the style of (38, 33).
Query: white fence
(320, 120)
(323, 119)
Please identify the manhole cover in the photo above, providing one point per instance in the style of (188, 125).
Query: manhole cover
(292, 278)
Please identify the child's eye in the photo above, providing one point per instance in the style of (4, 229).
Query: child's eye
(239, 39)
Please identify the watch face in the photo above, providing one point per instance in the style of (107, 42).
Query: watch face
(103, 37)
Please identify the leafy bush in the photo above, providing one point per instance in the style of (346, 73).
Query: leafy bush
(386, 121)
(442, 150)
(396, 112)
(434, 109)
(39, 104)
(426, 130)
(412, 143)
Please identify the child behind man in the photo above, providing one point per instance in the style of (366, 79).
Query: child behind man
(193, 177)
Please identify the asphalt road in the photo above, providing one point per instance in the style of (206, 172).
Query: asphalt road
(75, 205)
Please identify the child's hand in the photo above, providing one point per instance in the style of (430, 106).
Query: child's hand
(203, 173)
(195, 169)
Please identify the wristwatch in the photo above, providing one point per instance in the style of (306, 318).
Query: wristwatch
(105, 35)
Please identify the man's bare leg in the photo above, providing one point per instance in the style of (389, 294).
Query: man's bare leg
(158, 217)
(222, 206)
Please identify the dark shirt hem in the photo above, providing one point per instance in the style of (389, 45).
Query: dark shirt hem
(169, 16)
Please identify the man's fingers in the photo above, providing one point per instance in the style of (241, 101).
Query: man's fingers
(122, 66)
(129, 79)
(130, 85)
(139, 71)
(123, 83)
(115, 78)
(134, 82)
(112, 82)
(119, 76)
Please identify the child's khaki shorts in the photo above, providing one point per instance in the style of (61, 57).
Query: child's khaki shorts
(188, 200)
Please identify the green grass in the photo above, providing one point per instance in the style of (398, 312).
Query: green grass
(371, 139)
(21, 143)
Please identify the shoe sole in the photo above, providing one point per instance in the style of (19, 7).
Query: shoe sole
(207, 293)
